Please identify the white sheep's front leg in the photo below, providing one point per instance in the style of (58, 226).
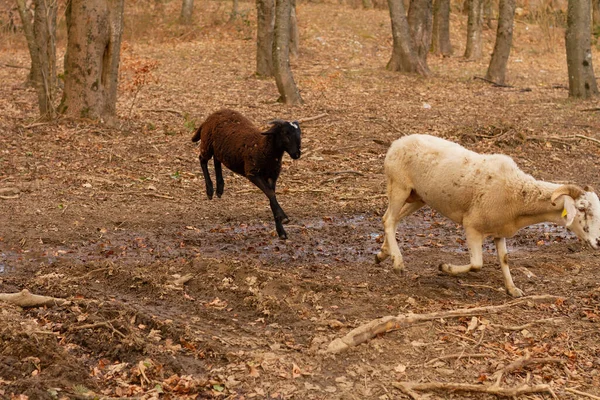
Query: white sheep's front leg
(395, 212)
(503, 258)
(475, 244)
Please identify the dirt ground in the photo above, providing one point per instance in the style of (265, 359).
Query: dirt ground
(110, 218)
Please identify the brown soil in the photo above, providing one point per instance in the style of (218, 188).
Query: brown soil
(109, 218)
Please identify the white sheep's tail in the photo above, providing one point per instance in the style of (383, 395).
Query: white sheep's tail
(196, 136)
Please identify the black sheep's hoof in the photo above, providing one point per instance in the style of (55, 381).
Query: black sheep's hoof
(283, 236)
(210, 196)
(285, 220)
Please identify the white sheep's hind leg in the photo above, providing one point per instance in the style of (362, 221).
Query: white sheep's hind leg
(503, 258)
(475, 243)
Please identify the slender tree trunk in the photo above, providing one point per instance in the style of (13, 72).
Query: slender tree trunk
(420, 22)
(94, 29)
(497, 69)
(41, 41)
(582, 82)
(474, 48)
(265, 15)
(441, 28)
(187, 8)
(488, 13)
(596, 12)
(281, 54)
(235, 11)
(294, 34)
(404, 58)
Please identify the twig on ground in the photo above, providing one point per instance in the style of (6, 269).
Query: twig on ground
(574, 391)
(167, 110)
(492, 82)
(410, 387)
(106, 324)
(86, 275)
(14, 66)
(458, 356)
(555, 321)
(588, 138)
(522, 362)
(307, 119)
(390, 323)
(25, 298)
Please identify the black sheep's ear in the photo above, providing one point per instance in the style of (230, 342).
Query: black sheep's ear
(276, 123)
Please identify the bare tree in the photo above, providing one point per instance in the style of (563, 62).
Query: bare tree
(404, 58)
(94, 29)
(497, 69)
(265, 24)
(187, 8)
(420, 23)
(474, 47)
(281, 54)
(582, 82)
(440, 44)
(40, 33)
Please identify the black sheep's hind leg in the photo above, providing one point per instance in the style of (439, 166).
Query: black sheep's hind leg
(207, 180)
(219, 175)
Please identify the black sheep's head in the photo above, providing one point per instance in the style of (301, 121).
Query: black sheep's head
(288, 136)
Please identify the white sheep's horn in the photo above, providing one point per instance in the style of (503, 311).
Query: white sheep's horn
(573, 191)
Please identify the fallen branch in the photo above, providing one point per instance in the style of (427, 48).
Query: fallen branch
(105, 324)
(307, 119)
(410, 387)
(14, 66)
(390, 323)
(574, 391)
(26, 299)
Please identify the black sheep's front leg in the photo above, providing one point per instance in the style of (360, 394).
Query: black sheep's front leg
(278, 213)
(219, 175)
(207, 180)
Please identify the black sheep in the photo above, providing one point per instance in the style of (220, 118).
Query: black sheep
(233, 140)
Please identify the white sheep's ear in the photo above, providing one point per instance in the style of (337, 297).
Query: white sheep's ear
(569, 211)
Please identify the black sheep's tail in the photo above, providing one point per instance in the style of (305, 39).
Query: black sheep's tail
(196, 136)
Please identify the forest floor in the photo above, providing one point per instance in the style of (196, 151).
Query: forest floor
(174, 296)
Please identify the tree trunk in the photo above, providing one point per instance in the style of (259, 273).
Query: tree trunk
(474, 46)
(497, 69)
(420, 23)
(596, 11)
(294, 35)
(404, 58)
(488, 13)
(582, 82)
(281, 54)
(265, 15)
(441, 28)
(94, 29)
(41, 41)
(187, 8)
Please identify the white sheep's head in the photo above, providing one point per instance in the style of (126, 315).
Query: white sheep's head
(581, 212)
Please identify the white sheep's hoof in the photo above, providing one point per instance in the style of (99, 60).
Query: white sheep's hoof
(515, 292)
(379, 257)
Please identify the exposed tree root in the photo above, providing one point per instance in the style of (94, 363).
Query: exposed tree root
(390, 323)
(410, 387)
(26, 299)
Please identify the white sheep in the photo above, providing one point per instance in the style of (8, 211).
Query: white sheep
(486, 193)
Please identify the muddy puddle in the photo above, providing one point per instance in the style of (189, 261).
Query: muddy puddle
(327, 240)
